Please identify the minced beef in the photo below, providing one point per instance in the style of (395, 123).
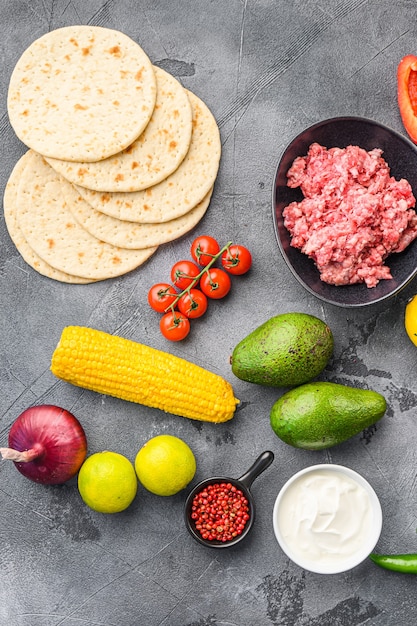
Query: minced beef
(353, 215)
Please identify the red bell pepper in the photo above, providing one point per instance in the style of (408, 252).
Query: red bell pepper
(407, 94)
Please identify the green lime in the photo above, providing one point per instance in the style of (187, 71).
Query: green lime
(107, 482)
(165, 465)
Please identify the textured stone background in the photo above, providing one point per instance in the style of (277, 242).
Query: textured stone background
(267, 69)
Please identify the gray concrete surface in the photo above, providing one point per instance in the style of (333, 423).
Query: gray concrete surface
(267, 69)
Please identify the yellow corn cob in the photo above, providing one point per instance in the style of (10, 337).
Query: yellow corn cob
(131, 371)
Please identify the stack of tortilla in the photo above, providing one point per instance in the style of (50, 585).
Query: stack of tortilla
(121, 157)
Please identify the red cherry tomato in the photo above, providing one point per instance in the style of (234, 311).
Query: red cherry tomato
(203, 249)
(183, 273)
(236, 259)
(161, 296)
(174, 326)
(193, 303)
(215, 283)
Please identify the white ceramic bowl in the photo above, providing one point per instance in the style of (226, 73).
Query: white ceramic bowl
(332, 500)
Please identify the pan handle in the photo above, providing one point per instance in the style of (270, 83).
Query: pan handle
(262, 462)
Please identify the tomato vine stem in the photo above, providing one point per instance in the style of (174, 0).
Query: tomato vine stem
(195, 279)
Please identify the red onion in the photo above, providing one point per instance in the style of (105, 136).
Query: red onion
(47, 444)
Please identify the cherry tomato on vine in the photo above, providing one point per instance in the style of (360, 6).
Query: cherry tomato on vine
(203, 249)
(236, 259)
(183, 273)
(193, 303)
(161, 296)
(174, 326)
(215, 283)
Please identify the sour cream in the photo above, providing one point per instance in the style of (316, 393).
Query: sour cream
(327, 518)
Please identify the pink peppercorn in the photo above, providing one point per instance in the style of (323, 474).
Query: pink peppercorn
(220, 512)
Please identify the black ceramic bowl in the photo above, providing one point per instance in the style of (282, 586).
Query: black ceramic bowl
(401, 156)
(243, 483)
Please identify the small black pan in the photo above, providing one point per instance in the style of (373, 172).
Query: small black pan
(243, 483)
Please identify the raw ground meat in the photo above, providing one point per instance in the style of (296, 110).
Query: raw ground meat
(353, 215)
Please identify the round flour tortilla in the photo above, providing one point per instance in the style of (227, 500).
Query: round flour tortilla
(131, 234)
(178, 193)
(16, 235)
(81, 93)
(55, 235)
(152, 157)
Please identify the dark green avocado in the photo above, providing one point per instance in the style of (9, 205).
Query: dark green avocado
(289, 349)
(320, 415)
